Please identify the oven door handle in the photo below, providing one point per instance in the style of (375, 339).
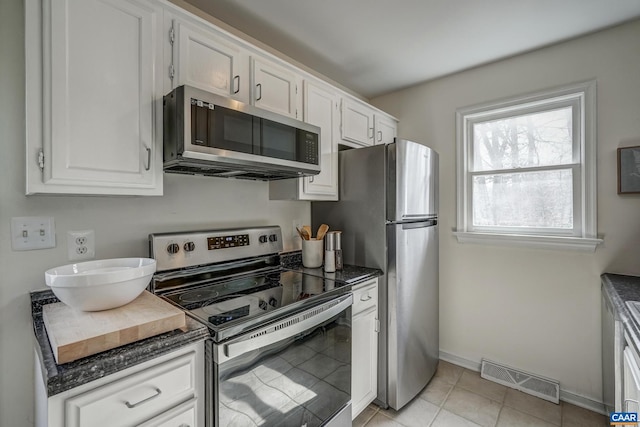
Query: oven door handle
(286, 328)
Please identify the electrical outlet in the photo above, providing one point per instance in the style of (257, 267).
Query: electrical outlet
(81, 245)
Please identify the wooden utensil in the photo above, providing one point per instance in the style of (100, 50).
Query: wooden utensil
(300, 233)
(305, 234)
(307, 229)
(322, 230)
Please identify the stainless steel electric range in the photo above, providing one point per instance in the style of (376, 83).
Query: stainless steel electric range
(280, 348)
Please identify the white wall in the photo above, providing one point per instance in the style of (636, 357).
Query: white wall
(121, 224)
(537, 310)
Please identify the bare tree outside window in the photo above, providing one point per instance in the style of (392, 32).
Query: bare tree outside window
(526, 170)
(510, 189)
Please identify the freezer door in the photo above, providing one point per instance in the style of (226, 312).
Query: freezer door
(412, 187)
(412, 318)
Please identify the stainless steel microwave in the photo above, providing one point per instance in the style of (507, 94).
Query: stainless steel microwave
(207, 134)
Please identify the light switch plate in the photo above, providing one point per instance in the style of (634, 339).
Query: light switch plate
(32, 232)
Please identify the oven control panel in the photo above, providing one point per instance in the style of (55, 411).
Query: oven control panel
(221, 242)
(181, 250)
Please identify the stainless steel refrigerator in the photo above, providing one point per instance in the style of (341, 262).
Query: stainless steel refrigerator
(388, 214)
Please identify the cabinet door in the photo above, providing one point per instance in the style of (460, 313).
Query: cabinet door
(364, 374)
(631, 373)
(210, 63)
(102, 130)
(321, 109)
(357, 123)
(275, 88)
(183, 415)
(386, 129)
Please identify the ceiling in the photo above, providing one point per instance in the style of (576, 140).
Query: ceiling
(377, 46)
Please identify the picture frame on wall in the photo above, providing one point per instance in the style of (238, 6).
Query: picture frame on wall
(629, 170)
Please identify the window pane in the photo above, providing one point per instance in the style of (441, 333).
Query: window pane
(530, 199)
(538, 139)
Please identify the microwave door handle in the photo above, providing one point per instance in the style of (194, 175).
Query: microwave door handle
(271, 335)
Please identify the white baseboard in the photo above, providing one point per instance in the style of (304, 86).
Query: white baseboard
(565, 395)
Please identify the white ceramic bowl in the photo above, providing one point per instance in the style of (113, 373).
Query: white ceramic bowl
(102, 284)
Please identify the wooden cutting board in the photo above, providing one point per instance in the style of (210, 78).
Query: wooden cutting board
(75, 334)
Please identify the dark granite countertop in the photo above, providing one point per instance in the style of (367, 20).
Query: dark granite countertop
(64, 377)
(620, 289)
(350, 274)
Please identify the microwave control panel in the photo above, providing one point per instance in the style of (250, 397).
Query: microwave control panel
(310, 148)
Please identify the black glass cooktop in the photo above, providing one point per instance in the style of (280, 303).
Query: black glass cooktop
(241, 302)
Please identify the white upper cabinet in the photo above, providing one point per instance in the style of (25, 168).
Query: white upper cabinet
(320, 107)
(275, 88)
(207, 61)
(386, 129)
(357, 123)
(363, 126)
(94, 107)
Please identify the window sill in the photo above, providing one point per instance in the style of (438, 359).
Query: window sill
(581, 244)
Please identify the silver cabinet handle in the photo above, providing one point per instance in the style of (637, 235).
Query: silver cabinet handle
(133, 405)
(379, 136)
(362, 298)
(236, 84)
(311, 178)
(259, 86)
(371, 129)
(148, 166)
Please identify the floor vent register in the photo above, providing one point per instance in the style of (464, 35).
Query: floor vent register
(525, 382)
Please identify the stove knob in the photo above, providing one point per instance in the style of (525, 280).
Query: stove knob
(273, 302)
(262, 304)
(189, 246)
(273, 238)
(173, 248)
(263, 239)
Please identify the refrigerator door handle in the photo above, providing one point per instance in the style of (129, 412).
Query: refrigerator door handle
(421, 224)
(409, 217)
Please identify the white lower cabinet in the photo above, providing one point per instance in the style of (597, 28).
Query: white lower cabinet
(167, 391)
(631, 381)
(364, 353)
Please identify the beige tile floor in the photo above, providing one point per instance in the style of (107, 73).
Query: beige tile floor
(459, 397)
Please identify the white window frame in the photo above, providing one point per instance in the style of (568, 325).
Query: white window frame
(582, 98)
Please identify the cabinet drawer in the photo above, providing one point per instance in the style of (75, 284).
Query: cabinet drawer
(134, 399)
(181, 416)
(365, 295)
